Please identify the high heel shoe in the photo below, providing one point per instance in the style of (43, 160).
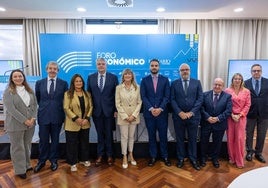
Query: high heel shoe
(132, 161)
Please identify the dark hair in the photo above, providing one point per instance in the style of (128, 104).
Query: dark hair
(72, 87)
(12, 85)
(256, 65)
(154, 60)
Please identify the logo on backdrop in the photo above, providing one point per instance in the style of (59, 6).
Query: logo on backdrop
(112, 59)
(75, 59)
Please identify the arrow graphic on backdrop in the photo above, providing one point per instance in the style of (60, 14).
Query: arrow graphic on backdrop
(75, 59)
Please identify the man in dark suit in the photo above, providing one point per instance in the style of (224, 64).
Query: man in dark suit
(186, 101)
(102, 86)
(50, 93)
(155, 93)
(258, 113)
(216, 108)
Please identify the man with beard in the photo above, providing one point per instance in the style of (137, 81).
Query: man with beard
(155, 93)
(186, 101)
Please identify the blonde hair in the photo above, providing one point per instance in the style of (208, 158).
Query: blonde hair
(133, 82)
(242, 80)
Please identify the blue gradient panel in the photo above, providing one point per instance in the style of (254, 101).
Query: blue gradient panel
(77, 53)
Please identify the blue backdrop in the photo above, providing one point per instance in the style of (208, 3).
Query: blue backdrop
(76, 53)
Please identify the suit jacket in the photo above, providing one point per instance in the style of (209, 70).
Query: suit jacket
(127, 103)
(103, 101)
(190, 103)
(17, 112)
(222, 110)
(259, 104)
(158, 99)
(72, 109)
(50, 110)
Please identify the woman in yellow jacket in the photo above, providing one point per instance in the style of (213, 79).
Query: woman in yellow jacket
(78, 109)
(128, 103)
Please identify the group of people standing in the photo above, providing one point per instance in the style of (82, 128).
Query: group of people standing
(238, 109)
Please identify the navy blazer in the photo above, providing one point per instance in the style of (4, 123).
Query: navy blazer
(190, 103)
(259, 104)
(151, 99)
(50, 110)
(222, 110)
(103, 101)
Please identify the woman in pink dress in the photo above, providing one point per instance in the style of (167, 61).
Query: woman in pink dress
(237, 121)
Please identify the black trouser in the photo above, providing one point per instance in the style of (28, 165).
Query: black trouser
(77, 146)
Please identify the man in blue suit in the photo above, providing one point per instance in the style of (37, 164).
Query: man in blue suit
(258, 113)
(102, 86)
(49, 93)
(186, 101)
(155, 93)
(216, 108)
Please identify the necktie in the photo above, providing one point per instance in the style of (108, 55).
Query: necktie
(185, 86)
(257, 87)
(215, 100)
(101, 82)
(155, 83)
(51, 87)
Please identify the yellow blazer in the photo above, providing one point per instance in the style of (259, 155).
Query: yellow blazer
(72, 109)
(128, 102)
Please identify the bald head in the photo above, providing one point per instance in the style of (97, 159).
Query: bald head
(218, 85)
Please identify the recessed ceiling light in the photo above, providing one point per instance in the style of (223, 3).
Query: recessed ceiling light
(238, 9)
(160, 9)
(2, 9)
(80, 9)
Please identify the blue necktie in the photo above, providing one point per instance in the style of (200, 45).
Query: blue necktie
(257, 87)
(185, 86)
(51, 87)
(101, 83)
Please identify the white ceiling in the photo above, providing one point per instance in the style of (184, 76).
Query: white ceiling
(175, 9)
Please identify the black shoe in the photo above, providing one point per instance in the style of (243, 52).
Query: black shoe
(180, 163)
(29, 169)
(167, 162)
(151, 162)
(54, 166)
(249, 156)
(195, 165)
(38, 167)
(203, 162)
(216, 163)
(260, 158)
(22, 176)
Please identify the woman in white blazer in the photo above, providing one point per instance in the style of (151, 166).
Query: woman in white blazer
(128, 104)
(21, 109)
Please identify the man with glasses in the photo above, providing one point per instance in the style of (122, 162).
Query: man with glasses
(186, 101)
(258, 113)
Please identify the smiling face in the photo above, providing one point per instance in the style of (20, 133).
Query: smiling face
(237, 80)
(78, 83)
(17, 78)
(52, 70)
(218, 85)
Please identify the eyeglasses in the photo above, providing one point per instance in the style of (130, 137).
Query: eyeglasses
(182, 70)
(255, 70)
